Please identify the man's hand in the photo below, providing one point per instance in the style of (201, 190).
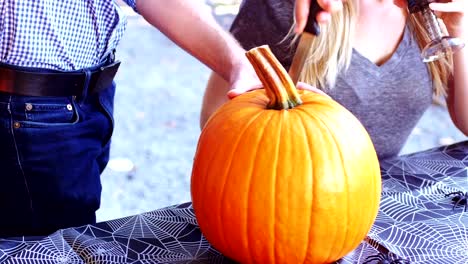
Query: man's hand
(247, 80)
(302, 8)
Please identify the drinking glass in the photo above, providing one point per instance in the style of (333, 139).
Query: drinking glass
(440, 45)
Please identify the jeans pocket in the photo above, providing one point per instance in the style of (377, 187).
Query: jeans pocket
(49, 112)
(106, 102)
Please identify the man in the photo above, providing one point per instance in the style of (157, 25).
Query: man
(56, 99)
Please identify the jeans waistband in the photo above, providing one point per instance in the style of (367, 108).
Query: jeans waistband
(44, 82)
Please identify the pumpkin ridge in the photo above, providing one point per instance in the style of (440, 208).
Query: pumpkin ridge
(195, 189)
(318, 100)
(330, 250)
(346, 172)
(201, 142)
(227, 172)
(262, 141)
(370, 223)
(224, 242)
(240, 101)
(324, 126)
(311, 215)
(346, 178)
(204, 178)
(378, 185)
(309, 227)
(337, 146)
(335, 236)
(275, 202)
(371, 219)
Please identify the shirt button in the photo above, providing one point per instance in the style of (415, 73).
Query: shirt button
(16, 125)
(29, 107)
(69, 107)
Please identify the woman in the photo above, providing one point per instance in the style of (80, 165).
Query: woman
(367, 58)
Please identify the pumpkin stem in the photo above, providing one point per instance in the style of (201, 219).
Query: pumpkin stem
(277, 83)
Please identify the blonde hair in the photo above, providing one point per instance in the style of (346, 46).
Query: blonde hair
(330, 52)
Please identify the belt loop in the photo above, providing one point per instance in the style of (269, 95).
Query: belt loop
(109, 58)
(112, 58)
(84, 94)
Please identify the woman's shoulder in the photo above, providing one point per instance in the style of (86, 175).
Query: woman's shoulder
(269, 14)
(265, 22)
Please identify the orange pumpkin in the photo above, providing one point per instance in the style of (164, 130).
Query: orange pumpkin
(284, 176)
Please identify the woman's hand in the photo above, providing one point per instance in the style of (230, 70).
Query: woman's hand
(307, 87)
(453, 13)
(302, 8)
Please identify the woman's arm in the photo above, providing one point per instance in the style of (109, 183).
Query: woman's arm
(457, 100)
(214, 97)
(456, 21)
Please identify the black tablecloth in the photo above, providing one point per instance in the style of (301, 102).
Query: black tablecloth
(417, 223)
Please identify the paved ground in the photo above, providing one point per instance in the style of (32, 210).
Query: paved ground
(157, 109)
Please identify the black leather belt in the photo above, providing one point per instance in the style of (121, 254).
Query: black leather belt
(32, 83)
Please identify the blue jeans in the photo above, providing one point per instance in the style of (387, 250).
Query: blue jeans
(52, 152)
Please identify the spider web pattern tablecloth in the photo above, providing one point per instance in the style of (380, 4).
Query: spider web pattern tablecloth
(416, 222)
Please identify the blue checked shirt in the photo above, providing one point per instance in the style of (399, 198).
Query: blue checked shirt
(59, 34)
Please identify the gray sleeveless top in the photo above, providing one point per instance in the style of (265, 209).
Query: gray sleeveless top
(389, 99)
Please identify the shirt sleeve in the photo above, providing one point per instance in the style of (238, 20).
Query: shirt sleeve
(266, 22)
(132, 4)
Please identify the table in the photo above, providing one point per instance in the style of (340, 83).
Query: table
(417, 223)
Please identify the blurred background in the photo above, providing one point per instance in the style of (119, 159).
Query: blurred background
(157, 104)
